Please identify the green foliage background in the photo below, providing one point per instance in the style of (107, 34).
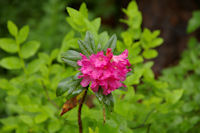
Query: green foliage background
(31, 69)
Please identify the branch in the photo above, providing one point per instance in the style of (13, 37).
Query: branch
(148, 128)
(79, 111)
(143, 124)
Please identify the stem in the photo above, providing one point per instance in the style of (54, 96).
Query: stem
(20, 56)
(79, 111)
(148, 128)
(104, 115)
(47, 94)
(143, 124)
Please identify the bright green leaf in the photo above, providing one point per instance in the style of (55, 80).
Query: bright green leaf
(26, 119)
(29, 49)
(9, 45)
(194, 22)
(12, 28)
(23, 34)
(150, 53)
(11, 63)
(40, 118)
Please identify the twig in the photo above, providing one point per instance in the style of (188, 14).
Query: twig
(148, 116)
(104, 115)
(143, 124)
(79, 111)
(148, 128)
(47, 94)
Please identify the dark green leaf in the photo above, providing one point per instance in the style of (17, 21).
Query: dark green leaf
(83, 48)
(99, 47)
(89, 39)
(67, 85)
(111, 43)
(107, 100)
(71, 55)
(75, 92)
(123, 88)
(70, 62)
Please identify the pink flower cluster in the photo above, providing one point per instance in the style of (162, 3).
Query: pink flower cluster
(105, 71)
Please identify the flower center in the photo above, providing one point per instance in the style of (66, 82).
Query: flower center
(100, 58)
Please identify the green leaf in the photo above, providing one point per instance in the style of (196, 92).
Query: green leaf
(26, 119)
(34, 66)
(137, 59)
(9, 45)
(96, 23)
(54, 54)
(156, 42)
(84, 48)
(111, 43)
(70, 62)
(67, 85)
(29, 49)
(89, 39)
(174, 96)
(75, 92)
(22, 128)
(194, 22)
(10, 122)
(76, 19)
(40, 118)
(83, 9)
(54, 125)
(12, 28)
(150, 53)
(107, 100)
(99, 47)
(71, 55)
(11, 63)
(23, 34)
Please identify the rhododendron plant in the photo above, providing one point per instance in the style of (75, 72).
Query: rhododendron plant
(100, 70)
(104, 71)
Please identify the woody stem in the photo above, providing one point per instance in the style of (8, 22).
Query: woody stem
(79, 111)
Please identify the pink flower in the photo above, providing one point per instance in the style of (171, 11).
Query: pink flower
(104, 71)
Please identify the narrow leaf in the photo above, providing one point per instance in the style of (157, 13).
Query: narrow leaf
(67, 85)
(70, 62)
(89, 39)
(71, 55)
(99, 47)
(111, 43)
(107, 100)
(83, 48)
